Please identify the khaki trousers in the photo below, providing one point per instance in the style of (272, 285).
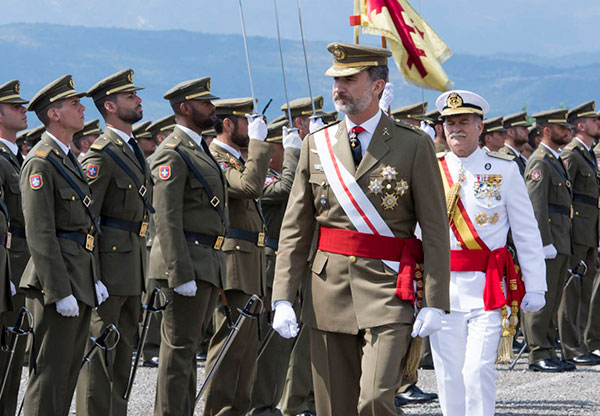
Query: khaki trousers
(298, 395)
(151, 346)
(358, 374)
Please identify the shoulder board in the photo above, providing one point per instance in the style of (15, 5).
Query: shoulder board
(327, 126)
(441, 155)
(408, 126)
(500, 156)
(41, 153)
(100, 143)
(172, 141)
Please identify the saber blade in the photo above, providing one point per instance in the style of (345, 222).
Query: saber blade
(283, 66)
(247, 58)
(306, 59)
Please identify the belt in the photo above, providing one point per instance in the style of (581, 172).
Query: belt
(204, 239)
(260, 239)
(17, 231)
(408, 251)
(84, 239)
(139, 228)
(559, 209)
(5, 240)
(495, 264)
(588, 200)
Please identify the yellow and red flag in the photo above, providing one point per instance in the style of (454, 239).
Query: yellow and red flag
(418, 51)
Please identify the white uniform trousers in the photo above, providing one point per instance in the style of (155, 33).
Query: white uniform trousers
(464, 355)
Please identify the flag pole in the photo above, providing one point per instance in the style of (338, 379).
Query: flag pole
(356, 27)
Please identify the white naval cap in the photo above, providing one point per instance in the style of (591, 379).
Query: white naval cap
(456, 102)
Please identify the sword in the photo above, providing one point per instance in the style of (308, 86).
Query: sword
(247, 58)
(17, 331)
(306, 59)
(244, 314)
(283, 67)
(149, 310)
(578, 272)
(100, 342)
(514, 361)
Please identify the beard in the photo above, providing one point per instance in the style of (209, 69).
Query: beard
(352, 105)
(559, 139)
(203, 121)
(130, 116)
(239, 139)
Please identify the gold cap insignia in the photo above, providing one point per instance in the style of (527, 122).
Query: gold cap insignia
(130, 77)
(71, 84)
(208, 85)
(454, 100)
(593, 106)
(339, 53)
(17, 88)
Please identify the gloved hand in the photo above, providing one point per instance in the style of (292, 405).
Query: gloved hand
(533, 301)
(187, 289)
(429, 320)
(101, 292)
(68, 306)
(257, 128)
(284, 321)
(13, 289)
(550, 252)
(387, 97)
(315, 124)
(291, 138)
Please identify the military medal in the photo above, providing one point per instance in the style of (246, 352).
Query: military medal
(494, 218)
(375, 185)
(462, 177)
(389, 173)
(389, 201)
(401, 187)
(481, 219)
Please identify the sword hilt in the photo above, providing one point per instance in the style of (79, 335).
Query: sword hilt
(101, 340)
(157, 302)
(18, 328)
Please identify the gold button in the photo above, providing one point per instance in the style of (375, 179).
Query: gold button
(458, 243)
(72, 198)
(576, 212)
(196, 242)
(352, 259)
(549, 220)
(166, 273)
(559, 184)
(237, 247)
(129, 186)
(114, 248)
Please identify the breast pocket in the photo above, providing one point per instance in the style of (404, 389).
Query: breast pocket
(129, 193)
(72, 205)
(321, 191)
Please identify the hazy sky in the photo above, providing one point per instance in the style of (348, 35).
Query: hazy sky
(541, 27)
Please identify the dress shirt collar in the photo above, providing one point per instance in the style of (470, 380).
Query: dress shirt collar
(230, 149)
(193, 135)
(12, 146)
(554, 152)
(66, 149)
(370, 125)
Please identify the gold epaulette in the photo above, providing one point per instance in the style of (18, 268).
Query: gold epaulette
(41, 153)
(501, 156)
(408, 126)
(100, 143)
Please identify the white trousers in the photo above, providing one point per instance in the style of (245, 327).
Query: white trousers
(464, 355)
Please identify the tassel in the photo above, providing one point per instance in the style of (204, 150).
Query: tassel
(413, 357)
(509, 329)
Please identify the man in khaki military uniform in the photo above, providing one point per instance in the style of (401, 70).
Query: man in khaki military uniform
(493, 134)
(359, 309)
(577, 300)
(120, 180)
(230, 389)
(83, 139)
(517, 136)
(33, 136)
(144, 137)
(13, 118)
(549, 187)
(61, 276)
(186, 256)
(411, 114)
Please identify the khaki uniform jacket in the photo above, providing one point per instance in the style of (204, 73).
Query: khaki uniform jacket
(58, 267)
(5, 275)
(347, 293)
(583, 173)
(245, 181)
(182, 204)
(9, 174)
(549, 189)
(519, 160)
(121, 254)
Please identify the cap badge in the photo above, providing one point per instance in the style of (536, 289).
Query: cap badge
(208, 85)
(454, 101)
(17, 88)
(339, 53)
(130, 77)
(71, 83)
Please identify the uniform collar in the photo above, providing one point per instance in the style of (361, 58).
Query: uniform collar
(193, 135)
(230, 149)
(513, 149)
(583, 143)
(11, 146)
(554, 152)
(66, 149)
(121, 134)
(370, 125)
(476, 155)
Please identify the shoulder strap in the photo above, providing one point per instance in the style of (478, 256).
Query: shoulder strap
(12, 162)
(85, 199)
(214, 200)
(142, 190)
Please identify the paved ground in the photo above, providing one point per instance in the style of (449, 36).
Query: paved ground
(520, 392)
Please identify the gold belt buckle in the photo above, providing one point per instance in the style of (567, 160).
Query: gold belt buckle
(219, 242)
(143, 229)
(8, 239)
(89, 242)
(261, 240)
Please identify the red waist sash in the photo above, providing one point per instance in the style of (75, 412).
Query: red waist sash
(496, 264)
(408, 251)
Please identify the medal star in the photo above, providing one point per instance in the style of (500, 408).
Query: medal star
(401, 187)
(389, 201)
(389, 173)
(375, 186)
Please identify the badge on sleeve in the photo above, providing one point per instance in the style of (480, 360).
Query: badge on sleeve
(92, 171)
(35, 181)
(536, 175)
(269, 180)
(164, 172)
(223, 166)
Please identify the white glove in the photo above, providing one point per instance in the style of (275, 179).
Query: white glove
(429, 320)
(13, 289)
(533, 301)
(315, 124)
(550, 252)
(67, 306)
(387, 97)
(291, 138)
(284, 321)
(257, 128)
(101, 292)
(428, 129)
(187, 289)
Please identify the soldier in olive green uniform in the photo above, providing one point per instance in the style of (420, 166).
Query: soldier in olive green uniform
(230, 389)
(436, 122)
(83, 139)
(120, 180)
(186, 257)
(12, 119)
(493, 134)
(549, 187)
(60, 277)
(271, 367)
(33, 136)
(517, 135)
(411, 114)
(581, 163)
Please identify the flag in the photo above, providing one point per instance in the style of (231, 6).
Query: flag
(418, 51)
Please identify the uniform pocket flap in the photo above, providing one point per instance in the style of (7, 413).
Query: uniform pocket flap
(319, 262)
(124, 183)
(234, 244)
(68, 193)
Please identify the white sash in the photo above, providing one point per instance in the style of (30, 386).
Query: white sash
(354, 202)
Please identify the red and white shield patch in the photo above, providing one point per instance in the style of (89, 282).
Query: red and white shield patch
(536, 175)
(164, 172)
(92, 171)
(35, 181)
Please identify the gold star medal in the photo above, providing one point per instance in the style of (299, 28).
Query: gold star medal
(401, 187)
(375, 185)
(389, 173)
(389, 201)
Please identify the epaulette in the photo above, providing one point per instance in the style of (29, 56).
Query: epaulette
(41, 153)
(440, 155)
(172, 141)
(408, 126)
(501, 156)
(333, 123)
(100, 143)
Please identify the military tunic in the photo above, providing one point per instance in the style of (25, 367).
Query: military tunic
(518, 158)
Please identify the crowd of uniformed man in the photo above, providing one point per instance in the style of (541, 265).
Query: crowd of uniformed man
(92, 221)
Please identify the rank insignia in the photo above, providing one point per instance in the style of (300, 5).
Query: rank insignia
(164, 172)
(536, 175)
(376, 185)
(389, 201)
(234, 163)
(269, 180)
(401, 187)
(92, 171)
(389, 173)
(385, 132)
(35, 181)
(481, 219)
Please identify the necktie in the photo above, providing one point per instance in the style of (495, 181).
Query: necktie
(207, 151)
(355, 146)
(19, 158)
(593, 155)
(138, 154)
(75, 163)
